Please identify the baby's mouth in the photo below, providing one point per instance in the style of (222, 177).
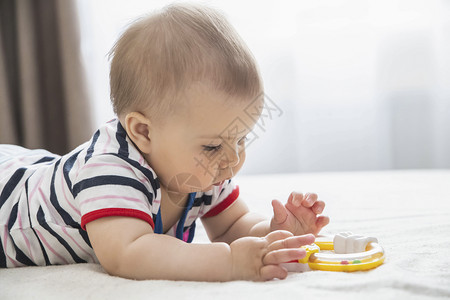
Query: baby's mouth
(219, 183)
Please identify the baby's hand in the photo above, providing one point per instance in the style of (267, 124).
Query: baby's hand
(299, 215)
(259, 258)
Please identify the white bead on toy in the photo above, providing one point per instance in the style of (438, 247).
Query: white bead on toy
(347, 242)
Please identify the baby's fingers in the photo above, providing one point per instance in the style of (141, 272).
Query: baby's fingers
(309, 200)
(322, 221)
(277, 235)
(284, 255)
(292, 242)
(318, 207)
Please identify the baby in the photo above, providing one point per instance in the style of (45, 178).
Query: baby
(183, 85)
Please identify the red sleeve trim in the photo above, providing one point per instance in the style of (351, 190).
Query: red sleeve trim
(110, 212)
(224, 204)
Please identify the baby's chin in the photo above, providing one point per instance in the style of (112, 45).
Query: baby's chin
(186, 183)
(211, 186)
(197, 189)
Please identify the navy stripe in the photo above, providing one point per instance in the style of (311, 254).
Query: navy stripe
(84, 235)
(111, 180)
(54, 200)
(198, 202)
(67, 218)
(157, 220)
(45, 159)
(191, 233)
(147, 172)
(68, 165)
(11, 185)
(20, 256)
(207, 199)
(44, 253)
(43, 223)
(13, 216)
(90, 150)
(2, 255)
(204, 199)
(221, 191)
(121, 136)
(180, 227)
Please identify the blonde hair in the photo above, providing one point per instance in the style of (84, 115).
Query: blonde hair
(161, 54)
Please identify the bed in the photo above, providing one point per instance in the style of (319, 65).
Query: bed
(408, 211)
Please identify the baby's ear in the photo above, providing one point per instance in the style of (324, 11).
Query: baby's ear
(138, 128)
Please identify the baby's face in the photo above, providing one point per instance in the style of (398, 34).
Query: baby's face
(204, 145)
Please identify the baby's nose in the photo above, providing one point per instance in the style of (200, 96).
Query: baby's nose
(230, 160)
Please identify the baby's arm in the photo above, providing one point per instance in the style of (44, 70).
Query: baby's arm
(127, 247)
(300, 215)
(235, 222)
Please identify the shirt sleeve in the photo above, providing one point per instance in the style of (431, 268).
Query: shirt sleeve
(222, 198)
(108, 185)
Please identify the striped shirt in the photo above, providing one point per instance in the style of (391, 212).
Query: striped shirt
(46, 200)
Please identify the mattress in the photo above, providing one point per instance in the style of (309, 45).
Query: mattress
(407, 211)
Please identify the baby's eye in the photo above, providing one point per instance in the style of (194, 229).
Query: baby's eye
(211, 148)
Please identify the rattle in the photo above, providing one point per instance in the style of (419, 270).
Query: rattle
(346, 252)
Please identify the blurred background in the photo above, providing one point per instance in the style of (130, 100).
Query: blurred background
(358, 85)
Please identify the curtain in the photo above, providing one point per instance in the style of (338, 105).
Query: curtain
(44, 100)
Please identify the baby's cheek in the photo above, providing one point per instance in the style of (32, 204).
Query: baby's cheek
(206, 176)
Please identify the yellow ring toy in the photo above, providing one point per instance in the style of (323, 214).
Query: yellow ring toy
(347, 252)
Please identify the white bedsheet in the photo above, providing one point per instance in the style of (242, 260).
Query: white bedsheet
(408, 211)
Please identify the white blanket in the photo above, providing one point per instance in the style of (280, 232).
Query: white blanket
(408, 211)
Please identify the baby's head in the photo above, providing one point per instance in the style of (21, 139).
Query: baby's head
(161, 55)
(180, 78)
